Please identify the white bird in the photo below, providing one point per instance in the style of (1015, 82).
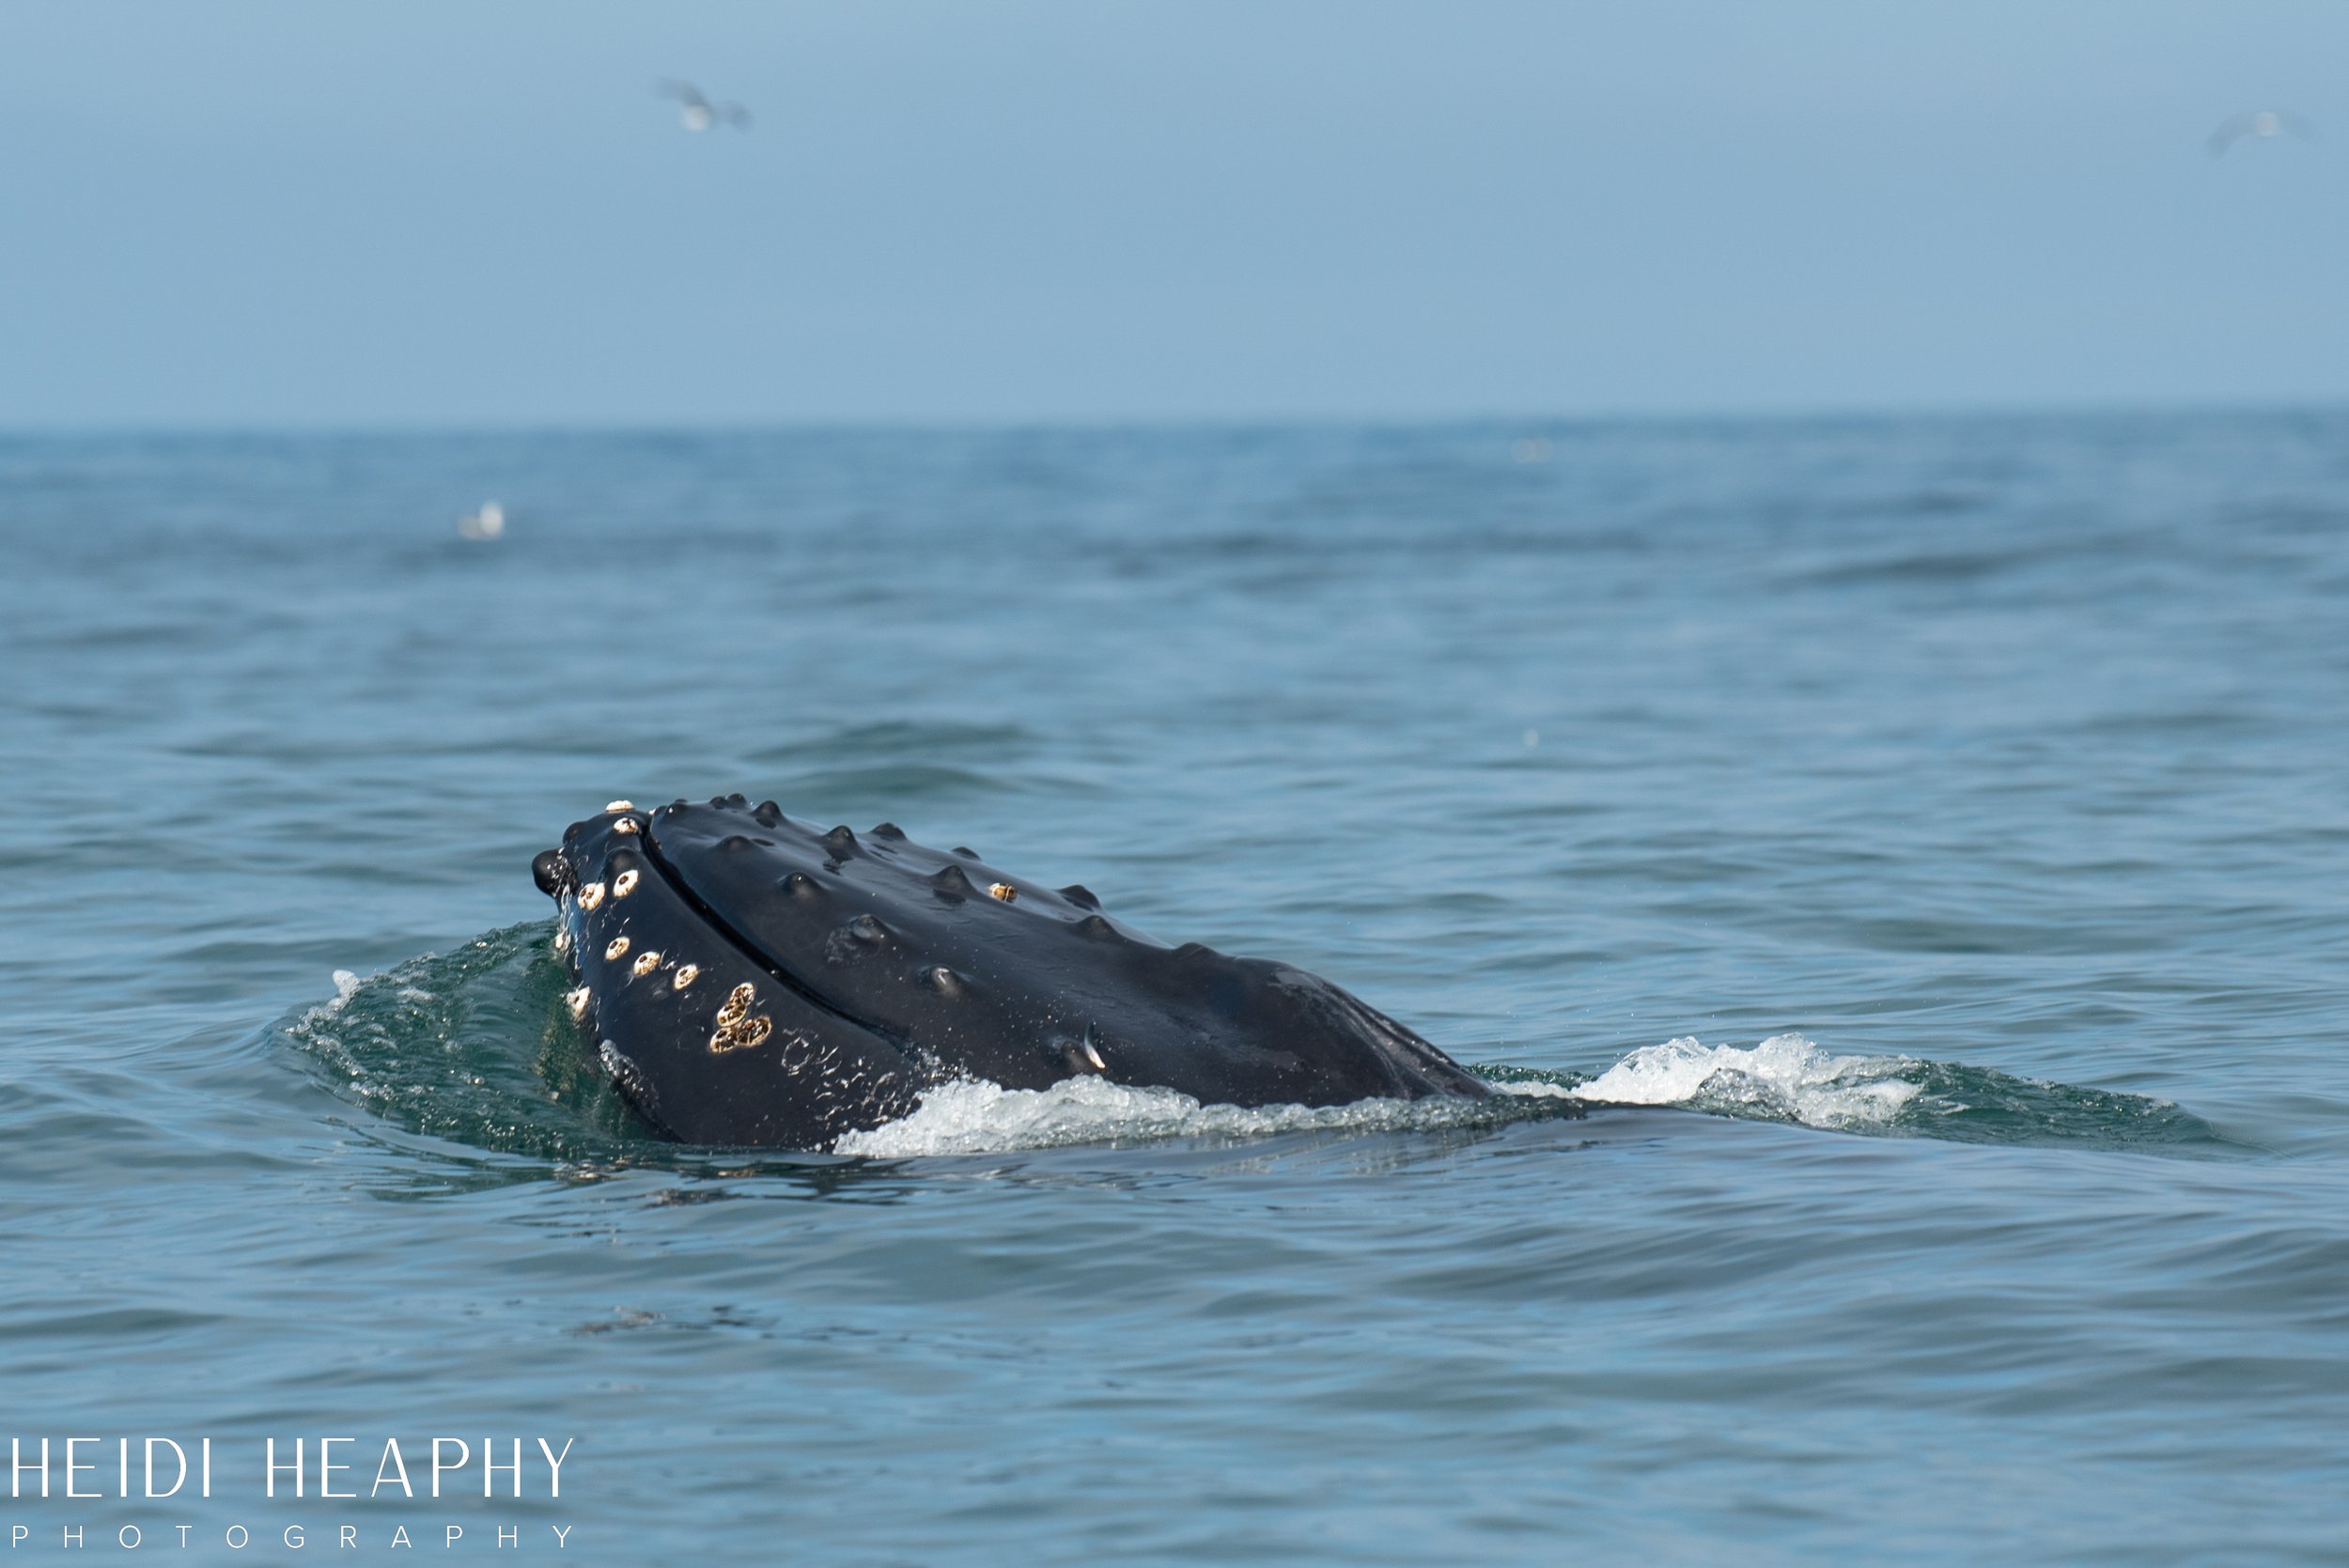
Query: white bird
(2263, 124)
(487, 523)
(697, 114)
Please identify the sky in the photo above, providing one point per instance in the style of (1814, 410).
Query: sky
(434, 215)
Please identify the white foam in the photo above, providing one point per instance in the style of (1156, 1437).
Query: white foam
(1784, 1076)
(968, 1117)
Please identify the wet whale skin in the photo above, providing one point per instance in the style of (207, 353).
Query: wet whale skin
(747, 979)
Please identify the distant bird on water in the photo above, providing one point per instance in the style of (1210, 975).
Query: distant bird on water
(697, 114)
(2260, 125)
(485, 524)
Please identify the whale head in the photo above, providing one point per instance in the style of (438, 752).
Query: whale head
(745, 978)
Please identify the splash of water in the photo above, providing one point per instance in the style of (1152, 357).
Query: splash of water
(1786, 1077)
(969, 1116)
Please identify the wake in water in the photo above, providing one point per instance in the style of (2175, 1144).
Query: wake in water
(475, 1046)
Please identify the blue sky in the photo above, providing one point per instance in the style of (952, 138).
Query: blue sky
(441, 214)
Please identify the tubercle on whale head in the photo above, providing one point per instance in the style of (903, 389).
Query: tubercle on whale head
(553, 873)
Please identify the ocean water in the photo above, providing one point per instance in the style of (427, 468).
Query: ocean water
(1901, 868)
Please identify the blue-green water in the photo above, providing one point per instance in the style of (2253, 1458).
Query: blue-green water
(1964, 798)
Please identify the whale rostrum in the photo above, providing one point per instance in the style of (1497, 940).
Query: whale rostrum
(745, 979)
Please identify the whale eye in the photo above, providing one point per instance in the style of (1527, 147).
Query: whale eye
(686, 975)
(614, 949)
(591, 895)
(1003, 891)
(624, 884)
(1078, 1056)
(578, 1001)
(645, 963)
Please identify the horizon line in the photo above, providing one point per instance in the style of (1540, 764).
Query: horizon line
(1526, 420)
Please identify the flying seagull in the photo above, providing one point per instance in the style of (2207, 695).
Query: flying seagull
(2264, 124)
(697, 114)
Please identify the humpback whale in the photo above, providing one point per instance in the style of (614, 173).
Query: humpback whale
(745, 979)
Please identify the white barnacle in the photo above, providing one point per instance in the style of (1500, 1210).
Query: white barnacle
(624, 884)
(562, 939)
(738, 1005)
(647, 962)
(1002, 891)
(614, 948)
(591, 895)
(686, 975)
(578, 1001)
(625, 825)
(621, 805)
